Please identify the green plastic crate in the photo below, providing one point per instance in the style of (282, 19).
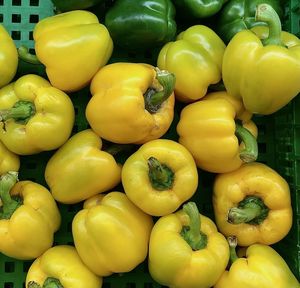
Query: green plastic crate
(279, 147)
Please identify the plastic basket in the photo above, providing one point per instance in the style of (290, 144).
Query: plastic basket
(279, 147)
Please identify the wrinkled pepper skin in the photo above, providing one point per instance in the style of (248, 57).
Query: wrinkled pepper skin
(34, 116)
(66, 42)
(141, 24)
(63, 6)
(272, 219)
(198, 8)
(116, 111)
(80, 169)
(238, 15)
(196, 60)
(207, 128)
(265, 75)
(28, 231)
(61, 264)
(172, 260)
(8, 57)
(160, 194)
(9, 161)
(261, 267)
(111, 234)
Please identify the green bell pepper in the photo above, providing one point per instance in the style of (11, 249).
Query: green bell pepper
(198, 8)
(238, 15)
(141, 24)
(63, 5)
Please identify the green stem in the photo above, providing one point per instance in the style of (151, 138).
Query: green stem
(232, 241)
(22, 111)
(160, 91)
(50, 282)
(26, 56)
(160, 175)
(250, 151)
(266, 13)
(192, 234)
(251, 210)
(9, 205)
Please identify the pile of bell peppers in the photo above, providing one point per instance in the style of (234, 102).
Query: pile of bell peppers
(217, 66)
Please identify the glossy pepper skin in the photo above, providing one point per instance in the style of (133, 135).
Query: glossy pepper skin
(70, 5)
(261, 267)
(29, 217)
(252, 203)
(34, 116)
(186, 250)
(131, 103)
(80, 169)
(238, 15)
(111, 234)
(195, 58)
(9, 161)
(66, 42)
(8, 57)
(141, 24)
(263, 73)
(160, 176)
(209, 129)
(61, 265)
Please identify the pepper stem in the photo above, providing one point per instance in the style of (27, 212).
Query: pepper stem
(160, 91)
(9, 205)
(22, 111)
(160, 175)
(266, 13)
(192, 234)
(232, 241)
(251, 210)
(250, 152)
(26, 56)
(50, 282)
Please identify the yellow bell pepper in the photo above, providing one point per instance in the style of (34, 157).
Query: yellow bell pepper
(8, 161)
(8, 57)
(209, 129)
(196, 60)
(186, 250)
(131, 103)
(252, 203)
(73, 46)
(261, 65)
(160, 176)
(80, 169)
(29, 217)
(261, 267)
(61, 267)
(111, 234)
(34, 116)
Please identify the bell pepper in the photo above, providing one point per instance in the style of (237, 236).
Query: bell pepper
(238, 15)
(65, 43)
(61, 267)
(160, 176)
(195, 58)
(8, 58)
(131, 103)
(198, 9)
(186, 250)
(80, 169)
(111, 234)
(29, 217)
(263, 72)
(141, 24)
(218, 132)
(252, 203)
(261, 267)
(63, 6)
(9, 161)
(34, 116)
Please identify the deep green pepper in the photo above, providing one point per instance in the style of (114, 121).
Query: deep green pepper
(198, 8)
(63, 5)
(238, 15)
(141, 24)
